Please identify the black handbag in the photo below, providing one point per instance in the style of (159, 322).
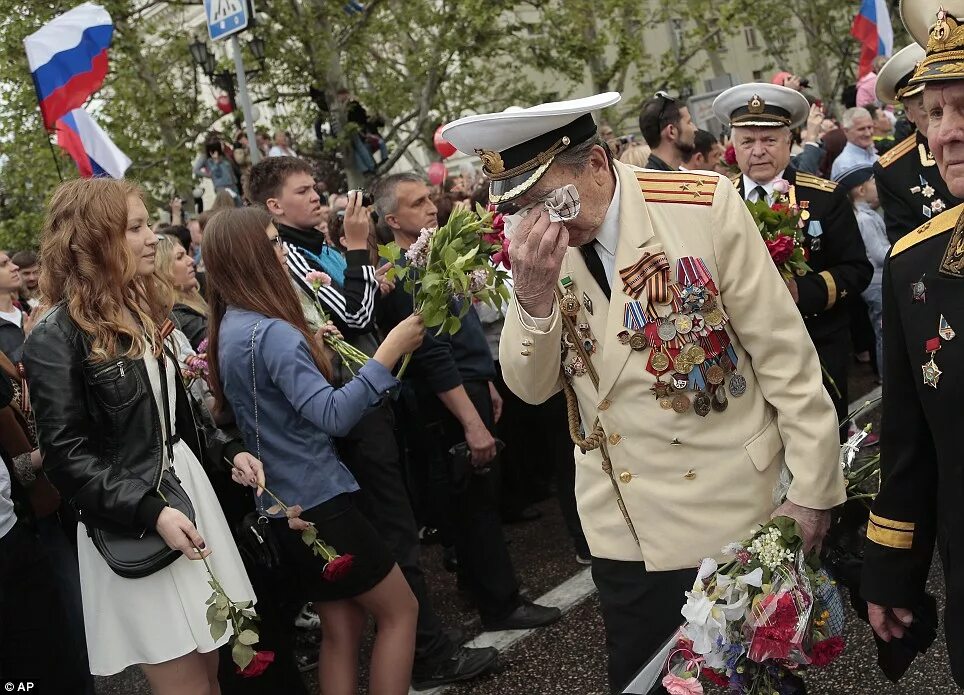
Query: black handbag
(135, 556)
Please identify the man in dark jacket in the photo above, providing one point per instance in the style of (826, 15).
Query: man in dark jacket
(668, 130)
(453, 378)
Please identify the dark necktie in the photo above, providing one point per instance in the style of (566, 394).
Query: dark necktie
(761, 193)
(595, 265)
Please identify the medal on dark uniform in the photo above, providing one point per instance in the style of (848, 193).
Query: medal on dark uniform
(932, 374)
(701, 404)
(945, 330)
(720, 402)
(681, 403)
(737, 385)
(918, 291)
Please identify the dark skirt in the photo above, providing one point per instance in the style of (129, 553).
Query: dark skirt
(341, 526)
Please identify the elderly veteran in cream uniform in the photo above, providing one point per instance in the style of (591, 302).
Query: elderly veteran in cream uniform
(659, 309)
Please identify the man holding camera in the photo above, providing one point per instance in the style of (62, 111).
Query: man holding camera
(285, 186)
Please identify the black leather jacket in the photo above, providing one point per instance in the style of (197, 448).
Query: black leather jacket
(99, 427)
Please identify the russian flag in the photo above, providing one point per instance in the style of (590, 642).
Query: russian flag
(873, 29)
(68, 59)
(89, 146)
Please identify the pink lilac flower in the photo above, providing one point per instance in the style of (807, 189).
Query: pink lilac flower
(478, 279)
(417, 254)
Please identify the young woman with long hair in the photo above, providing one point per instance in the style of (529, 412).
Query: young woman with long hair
(113, 422)
(268, 365)
(176, 267)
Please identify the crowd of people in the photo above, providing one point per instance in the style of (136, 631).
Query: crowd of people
(173, 384)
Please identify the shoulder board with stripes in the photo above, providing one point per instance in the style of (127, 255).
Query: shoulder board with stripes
(811, 181)
(906, 145)
(935, 226)
(681, 187)
(735, 179)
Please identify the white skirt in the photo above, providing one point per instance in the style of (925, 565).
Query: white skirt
(162, 616)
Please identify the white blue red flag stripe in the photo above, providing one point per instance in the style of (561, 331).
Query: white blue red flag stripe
(68, 59)
(89, 146)
(873, 29)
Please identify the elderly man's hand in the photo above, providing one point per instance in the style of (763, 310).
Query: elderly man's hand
(536, 251)
(813, 523)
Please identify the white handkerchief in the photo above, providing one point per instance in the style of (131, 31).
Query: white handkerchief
(562, 206)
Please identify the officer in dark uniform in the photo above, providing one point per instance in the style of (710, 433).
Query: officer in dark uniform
(910, 186)
(921, 498)
(761, 116)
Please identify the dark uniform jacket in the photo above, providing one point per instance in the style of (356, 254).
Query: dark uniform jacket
(837, 254)
(921, 499)
(910, 187)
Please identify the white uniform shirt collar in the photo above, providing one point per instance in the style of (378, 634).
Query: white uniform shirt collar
(608, 236)
(749, 184)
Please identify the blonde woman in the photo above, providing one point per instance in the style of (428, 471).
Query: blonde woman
(114, 421)
(176, 267)
(635, 154)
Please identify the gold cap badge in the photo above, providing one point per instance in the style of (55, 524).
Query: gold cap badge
(491, 161)
(756, 105)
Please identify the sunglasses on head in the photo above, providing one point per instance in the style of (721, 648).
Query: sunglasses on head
(665, 99)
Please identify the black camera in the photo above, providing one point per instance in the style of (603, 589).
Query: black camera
(366, 198)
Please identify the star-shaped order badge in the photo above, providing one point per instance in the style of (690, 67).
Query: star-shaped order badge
(932, 374)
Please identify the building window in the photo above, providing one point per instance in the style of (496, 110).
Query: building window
(758, 76)
(749, 33)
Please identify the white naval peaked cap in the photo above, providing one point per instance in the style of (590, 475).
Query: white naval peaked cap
(938, 25)
(761, 105)
(517, 146)
(893, 77)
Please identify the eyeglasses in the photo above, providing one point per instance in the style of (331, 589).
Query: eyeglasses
(666, 99)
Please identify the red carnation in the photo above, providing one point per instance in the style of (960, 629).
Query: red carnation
(337, 567)
(258, 664)
(715, 677)
(730, 155)
(827, 651)
(780, 249)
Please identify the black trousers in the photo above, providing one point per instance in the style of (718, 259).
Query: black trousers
(33, 625)
(473, 510)
(640, 609)
(371, 454)
(834, 353)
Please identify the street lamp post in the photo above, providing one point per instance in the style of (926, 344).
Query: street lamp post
(205, 59)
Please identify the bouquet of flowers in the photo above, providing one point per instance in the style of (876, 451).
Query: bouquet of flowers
(448, 268)
(780, 225)
(351, 356)
(753, 624)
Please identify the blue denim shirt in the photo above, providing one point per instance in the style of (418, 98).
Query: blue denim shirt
(298, 410)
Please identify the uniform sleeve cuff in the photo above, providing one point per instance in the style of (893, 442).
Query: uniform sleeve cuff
(538, 325)
(149, 509)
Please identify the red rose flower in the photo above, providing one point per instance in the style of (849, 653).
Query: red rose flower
(780, 207)
(715, 677)
(337, 567)
(258, 664)
(827, 651)
(730, 155)
(780, 249)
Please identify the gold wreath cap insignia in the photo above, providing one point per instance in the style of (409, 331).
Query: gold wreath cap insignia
(756, 104)
(491, 161)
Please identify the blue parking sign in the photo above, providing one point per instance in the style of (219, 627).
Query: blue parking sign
(226, 17)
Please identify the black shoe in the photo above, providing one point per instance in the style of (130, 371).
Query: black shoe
(528, 615)
(465, 664)
(450, 561)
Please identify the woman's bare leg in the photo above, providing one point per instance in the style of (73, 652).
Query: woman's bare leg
(185, 675)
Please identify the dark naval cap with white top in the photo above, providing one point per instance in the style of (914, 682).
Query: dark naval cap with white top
(517, 146)
(761, 105)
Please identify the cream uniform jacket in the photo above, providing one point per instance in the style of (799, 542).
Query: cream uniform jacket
(688, 484)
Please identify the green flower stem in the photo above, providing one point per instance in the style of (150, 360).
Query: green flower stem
(319, 546)
(401, 372)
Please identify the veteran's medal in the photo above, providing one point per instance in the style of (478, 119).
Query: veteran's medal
(696, 354)
(720, 402)
(681, 403)
(660, 361)
(569, 304)
(737, 385)
(680, 382)
(714, 317)
(932, 374)
(918, 291)
(683, 324)
(945, 330)
(637, 341)
(666, 330)
(701, 404)
(681, 364)
(715, 375)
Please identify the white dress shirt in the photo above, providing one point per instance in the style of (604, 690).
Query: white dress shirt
(749, 185)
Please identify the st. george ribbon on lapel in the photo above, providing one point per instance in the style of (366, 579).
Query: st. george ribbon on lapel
(652, 266)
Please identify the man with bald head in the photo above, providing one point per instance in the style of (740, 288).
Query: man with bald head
(761, 116)
(920, 505)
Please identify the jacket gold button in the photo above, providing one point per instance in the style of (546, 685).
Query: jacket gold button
(525, 353)
(526, 343)
(604, 405)
(625, 477)
(676, 442)
(690, 475)
(615, 438)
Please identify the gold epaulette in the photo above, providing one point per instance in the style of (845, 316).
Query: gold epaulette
(899, 150)
(736, 179)
(811, 181)
(933, 227)
(682, 187)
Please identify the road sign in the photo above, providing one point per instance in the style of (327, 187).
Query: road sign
(226, 17)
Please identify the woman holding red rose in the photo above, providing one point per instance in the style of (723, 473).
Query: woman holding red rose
(270, 368)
